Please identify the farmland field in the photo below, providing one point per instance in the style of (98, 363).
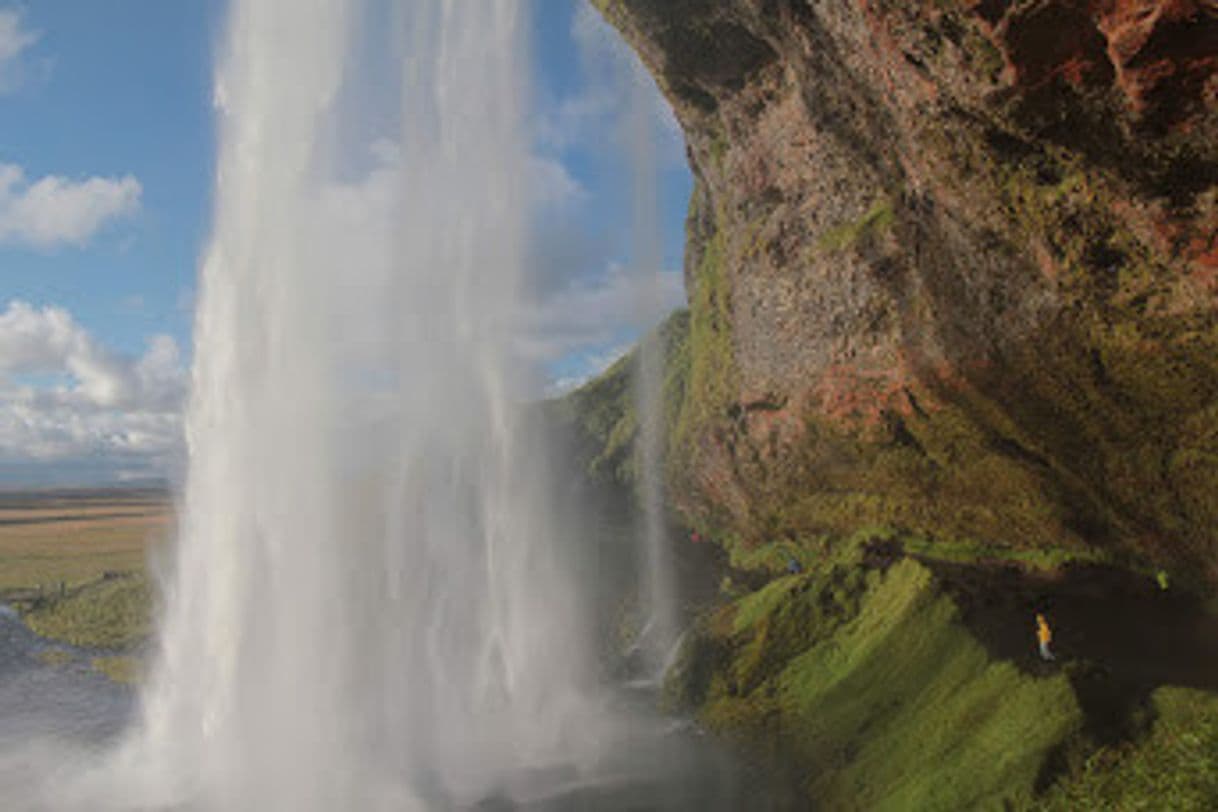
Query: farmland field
(60, 539)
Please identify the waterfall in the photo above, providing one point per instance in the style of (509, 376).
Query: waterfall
(369, 604)
(659, 594)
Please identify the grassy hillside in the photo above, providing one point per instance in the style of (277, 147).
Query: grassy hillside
(1174, 767)
(602, 412)
(864, 682)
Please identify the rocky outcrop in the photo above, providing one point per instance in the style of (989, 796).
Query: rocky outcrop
(952, 266)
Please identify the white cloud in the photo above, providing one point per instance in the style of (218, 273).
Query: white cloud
(615, 80)
(551, 183)
(55, 210)
(15, 39)
(591, 316)
(64, 396)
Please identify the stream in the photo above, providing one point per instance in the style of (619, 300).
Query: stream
(42, 699)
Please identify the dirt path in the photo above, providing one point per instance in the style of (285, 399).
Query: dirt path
(1117, 635)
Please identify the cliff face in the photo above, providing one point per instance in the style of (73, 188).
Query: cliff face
(952, 265)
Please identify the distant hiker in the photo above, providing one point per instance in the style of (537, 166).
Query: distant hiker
(694, 537)
(1161, 577)
(793, 566)
(1043, 636)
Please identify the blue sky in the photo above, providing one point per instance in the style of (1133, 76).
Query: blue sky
(106, 165)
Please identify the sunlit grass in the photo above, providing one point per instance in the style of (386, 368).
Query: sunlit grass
(1175, 767)
(756, 605)
(112, 613)
(53, 542)
(933, 723)
(886, 700)
(973, 552)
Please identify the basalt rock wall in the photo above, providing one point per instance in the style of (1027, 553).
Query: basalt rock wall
(952, 266)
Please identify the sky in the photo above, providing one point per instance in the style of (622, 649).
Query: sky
(106, 164)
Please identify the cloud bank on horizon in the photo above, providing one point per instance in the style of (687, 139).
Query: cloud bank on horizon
(65, 396)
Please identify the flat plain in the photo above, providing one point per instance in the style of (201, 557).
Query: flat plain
(51, 540)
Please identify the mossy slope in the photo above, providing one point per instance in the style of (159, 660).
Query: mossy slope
(866, 683)
(1174, 767)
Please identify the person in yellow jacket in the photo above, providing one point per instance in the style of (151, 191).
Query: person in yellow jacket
(1044, 636)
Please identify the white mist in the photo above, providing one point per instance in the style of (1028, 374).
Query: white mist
(369, 606)
(659, 593)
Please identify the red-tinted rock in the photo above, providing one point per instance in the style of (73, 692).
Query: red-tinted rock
(951, 265)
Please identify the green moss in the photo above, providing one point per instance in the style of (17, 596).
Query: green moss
(110, 613)
(936, 474)
(1173, 768)
(603, 411)
(760, 604)
(774, 556)
(970, 552)
(708, 368)
(1100, 405)
(882, 695)
(945, 727)
(718, 148)
(879, 218)
(1117, 393)
(986, 56)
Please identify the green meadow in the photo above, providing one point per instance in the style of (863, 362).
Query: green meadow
(74, 565)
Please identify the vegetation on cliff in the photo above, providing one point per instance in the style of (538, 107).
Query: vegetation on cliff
(1173, 767)
(897, 671)
(950, 269)
(602, 413)
(866, 685)
(868, 681)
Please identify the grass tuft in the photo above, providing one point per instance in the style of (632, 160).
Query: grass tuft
(111, 613)
(878, 219)
(122, 669)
